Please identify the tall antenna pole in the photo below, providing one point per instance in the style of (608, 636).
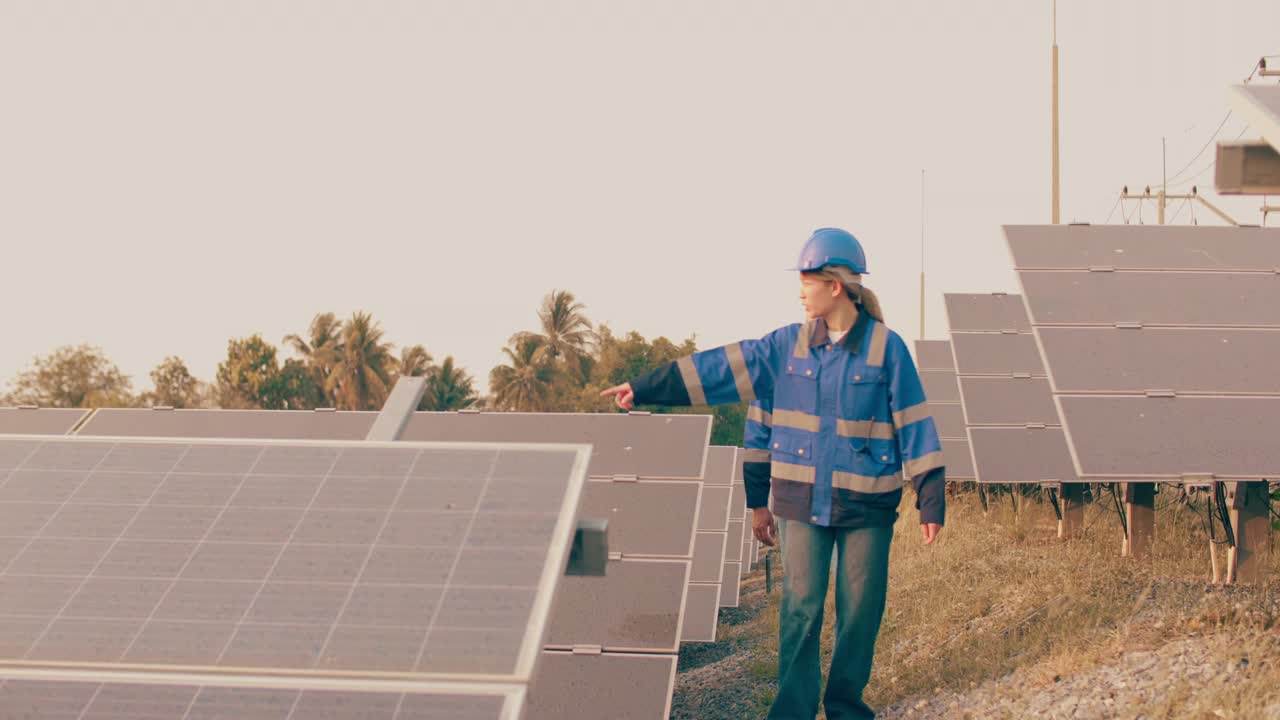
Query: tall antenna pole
(921, 253)
(1164, 180)
(1056, 167)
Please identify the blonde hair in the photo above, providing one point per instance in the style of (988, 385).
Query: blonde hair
(859, 295)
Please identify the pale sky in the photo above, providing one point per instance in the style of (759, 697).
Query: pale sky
(175, 173)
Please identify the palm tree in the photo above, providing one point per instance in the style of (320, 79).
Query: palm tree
(361, 378)
(321, 351)
(528, 382)
(448, 388)
(414, 361)
(566, 331)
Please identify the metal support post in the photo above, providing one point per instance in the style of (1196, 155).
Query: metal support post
(1140, 513)
(1250, 513)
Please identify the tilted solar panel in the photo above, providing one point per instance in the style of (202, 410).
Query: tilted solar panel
(238, 560)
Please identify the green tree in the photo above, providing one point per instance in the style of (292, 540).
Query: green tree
(362, 376)
(414, 361)
(621, 359)
(448, 388)
(320, 351)
(249, 377)
(566, 332)
(73, 376)
(527, 383)
(174, 385)
(295, 388)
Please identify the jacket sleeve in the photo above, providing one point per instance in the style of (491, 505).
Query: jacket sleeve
(755, 459)
(738, 372)
(918, 442)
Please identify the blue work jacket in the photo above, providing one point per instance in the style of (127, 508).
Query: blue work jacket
(838, 424)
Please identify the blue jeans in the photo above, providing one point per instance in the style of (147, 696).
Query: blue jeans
(862, 574)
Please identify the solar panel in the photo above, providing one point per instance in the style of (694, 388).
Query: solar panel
(708, 557)
(1133, 360)
(423, 561)
(1003, 384)
(1021, 455)
(1260, 106)
(934, 355)
(646, 518)
(49, 699)
(959, 461)
(729, 591)
(722, 464)
(1008, 401)
(39, 421)
(256, 424)
(949, 419)
(981, 313)
(713, 513)
(606, 685)
(1104, 248)
(701, 613)
(637, 607)
(650, 446)
(940, 386)
(636, 444)
(1187, 299)
(996, 353)
(1117, 437)
(1117, 376)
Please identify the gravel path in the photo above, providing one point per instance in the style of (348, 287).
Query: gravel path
(1120, 689)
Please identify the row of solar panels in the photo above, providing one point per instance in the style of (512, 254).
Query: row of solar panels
(1135, 354)
(676, 527)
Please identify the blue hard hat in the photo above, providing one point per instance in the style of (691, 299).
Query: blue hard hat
(832, 246)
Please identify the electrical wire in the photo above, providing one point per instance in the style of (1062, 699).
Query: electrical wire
(1196, 157)
(1113, 210)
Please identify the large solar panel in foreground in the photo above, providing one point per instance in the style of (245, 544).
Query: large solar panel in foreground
(423, 562)
(1157, 342)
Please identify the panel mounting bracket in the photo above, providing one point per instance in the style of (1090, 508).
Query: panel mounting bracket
(590, 551)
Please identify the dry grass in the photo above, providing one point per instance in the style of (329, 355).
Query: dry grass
(1000, 593)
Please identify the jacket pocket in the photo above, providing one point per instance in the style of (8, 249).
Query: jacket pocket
(798, 385)
(865, 394)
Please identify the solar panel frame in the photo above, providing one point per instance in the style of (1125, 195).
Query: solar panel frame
(540, 610)
(513, 697)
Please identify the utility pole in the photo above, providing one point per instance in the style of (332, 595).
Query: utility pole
(1057, 218)
(1164, 197)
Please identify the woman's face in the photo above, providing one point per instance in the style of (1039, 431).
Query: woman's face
(818, 295)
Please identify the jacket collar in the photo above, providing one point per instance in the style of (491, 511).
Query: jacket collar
(852, 341)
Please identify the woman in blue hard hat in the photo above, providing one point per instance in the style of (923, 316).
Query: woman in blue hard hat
(837, 418)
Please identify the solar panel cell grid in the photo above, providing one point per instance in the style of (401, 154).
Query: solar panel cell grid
(326, 576)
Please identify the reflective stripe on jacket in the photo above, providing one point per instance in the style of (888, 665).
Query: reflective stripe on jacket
(841, 422)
